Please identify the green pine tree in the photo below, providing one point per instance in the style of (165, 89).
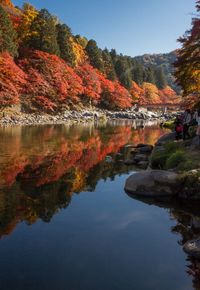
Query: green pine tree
(65, 45)
(123, 72)
(44, 36)
(108, 65)
(160, 78)
(8, 35)
(95, 55)
(138, 73)
(149, 75)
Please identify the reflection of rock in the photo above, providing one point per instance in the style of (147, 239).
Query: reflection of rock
(146, 149)
(192, 248)
(152, 183)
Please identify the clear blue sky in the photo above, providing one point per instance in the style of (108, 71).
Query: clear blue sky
(132, 27)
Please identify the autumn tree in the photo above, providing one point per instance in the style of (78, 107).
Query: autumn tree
(138, 94)
(81, 40)
(29, 13)
(51, 82)
(169, 96)
(188, 62)
(44, 33)
(12, 81)
(120, 98)
(151, 93)
(95, 55)
(78, 47)
(91, 84)
(6, 3)
(7, 34)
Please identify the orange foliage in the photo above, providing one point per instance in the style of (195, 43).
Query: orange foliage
(12, 80)
(91, 82)
(168, 96)
(51, 78)
(137, 93)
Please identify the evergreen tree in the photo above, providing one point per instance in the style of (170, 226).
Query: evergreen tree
(95, 55)
(123, 72)
(160, 78)
(149, 75)
(138, 73)
(108, 65)
(113, 55)
(7, 34)
(64, 39)
(44, 36)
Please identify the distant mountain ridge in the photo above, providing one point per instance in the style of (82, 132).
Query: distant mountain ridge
(166, 60)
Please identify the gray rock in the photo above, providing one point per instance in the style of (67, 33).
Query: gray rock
(167, 137)
(192, 248)
(153, 183)
(146, 149)
(140, 157)
(143, 164)
(129, 162)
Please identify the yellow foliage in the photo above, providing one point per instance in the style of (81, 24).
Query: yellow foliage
(29, 14)
(151, 93)
(79, 52)
(79, 181)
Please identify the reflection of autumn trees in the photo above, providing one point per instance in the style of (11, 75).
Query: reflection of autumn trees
(41, 167)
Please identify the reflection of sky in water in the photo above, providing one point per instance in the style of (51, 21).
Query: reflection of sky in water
(102, 240)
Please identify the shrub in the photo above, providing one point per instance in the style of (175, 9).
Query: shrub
(175, 159)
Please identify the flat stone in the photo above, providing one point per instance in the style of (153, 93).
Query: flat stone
(153, 183)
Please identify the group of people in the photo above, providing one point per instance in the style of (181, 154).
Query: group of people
(183, 123)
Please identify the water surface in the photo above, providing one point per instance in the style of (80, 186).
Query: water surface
(67, 224)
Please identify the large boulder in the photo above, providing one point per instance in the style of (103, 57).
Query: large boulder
(166, 138)
(153, 183)
(192, 248)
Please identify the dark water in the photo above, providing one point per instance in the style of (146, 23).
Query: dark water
(67, 224)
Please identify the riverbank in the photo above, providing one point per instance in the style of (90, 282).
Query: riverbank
(178, 159)
(11, 117)
(173, 175)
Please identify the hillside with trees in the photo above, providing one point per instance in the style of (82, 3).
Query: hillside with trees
(164, 63)
(44, 67)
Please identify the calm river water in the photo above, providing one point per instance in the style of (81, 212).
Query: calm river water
(67, 224)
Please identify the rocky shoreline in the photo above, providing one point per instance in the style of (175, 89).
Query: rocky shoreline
(81, 116)
(179, 184)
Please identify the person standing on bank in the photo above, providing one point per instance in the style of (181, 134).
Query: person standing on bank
(187, 118)
(198, 125)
